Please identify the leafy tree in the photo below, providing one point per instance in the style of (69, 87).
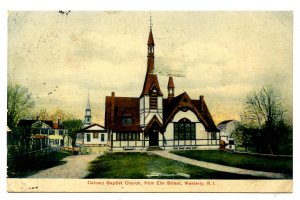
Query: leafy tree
(43, 114)
(62, 115)
(19, 104)
(263, 128)
(73, 127)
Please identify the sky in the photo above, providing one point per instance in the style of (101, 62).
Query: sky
(221, 55)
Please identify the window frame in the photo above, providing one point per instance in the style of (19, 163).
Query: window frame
(127, 121)
(95, 135)
(102, 137)
(184, 129)
(88, 137)
(127, 136)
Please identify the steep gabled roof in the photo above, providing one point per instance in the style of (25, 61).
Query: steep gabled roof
(183, 101)
(124, 107)
(150, 82)
(153, 121)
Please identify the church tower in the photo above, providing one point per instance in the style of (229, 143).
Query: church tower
(151, 98)
(88, 113)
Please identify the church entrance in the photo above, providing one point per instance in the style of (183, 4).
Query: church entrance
(153, 137)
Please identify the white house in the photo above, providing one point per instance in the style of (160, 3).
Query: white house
(226, 129)
(93, 137)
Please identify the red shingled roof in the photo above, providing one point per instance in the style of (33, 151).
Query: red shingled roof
(124, 107)
(183, 101)
(129, 106)
(150, 82)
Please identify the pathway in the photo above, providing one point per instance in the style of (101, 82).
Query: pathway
(76, 167)
(218, 167)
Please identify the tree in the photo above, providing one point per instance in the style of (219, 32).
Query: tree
(19, 104)
(73, 126)
(263, 108)
(43, 114)
(61, 115)
(263, 125)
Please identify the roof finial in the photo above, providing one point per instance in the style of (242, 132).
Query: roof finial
(150, 22)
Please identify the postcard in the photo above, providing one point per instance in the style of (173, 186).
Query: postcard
(136, 101)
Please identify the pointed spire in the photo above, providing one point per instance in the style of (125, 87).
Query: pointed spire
(151, 78)
(171, 83)
(150, 38)
(88, 106)
(171, 88)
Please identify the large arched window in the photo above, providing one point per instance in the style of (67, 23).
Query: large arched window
(184, 129)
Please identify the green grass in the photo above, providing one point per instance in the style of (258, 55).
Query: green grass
(30, 167)
(245, 161)
(139, 165)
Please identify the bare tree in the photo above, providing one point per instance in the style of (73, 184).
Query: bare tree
(263, 108)
(264, 112)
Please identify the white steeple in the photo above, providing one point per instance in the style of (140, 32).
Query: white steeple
(88, 112)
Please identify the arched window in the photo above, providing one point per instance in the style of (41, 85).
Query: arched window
(184, 129)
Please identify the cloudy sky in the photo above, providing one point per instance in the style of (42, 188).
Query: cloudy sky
(221, 55)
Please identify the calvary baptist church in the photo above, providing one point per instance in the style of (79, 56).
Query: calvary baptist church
(152, 121)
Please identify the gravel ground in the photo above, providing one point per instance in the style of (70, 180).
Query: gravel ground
(76, 167)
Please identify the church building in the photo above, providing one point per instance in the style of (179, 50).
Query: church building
(153, 120)
(93, 136)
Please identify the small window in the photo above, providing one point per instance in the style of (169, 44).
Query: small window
(102, 137)
(95, 135)
(61, 132)
(126, 121)
(88, 137)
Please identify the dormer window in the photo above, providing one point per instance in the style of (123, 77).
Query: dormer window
(126, 121)
(153, 99)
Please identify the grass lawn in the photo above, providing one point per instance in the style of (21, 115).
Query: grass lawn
(31, 167)
(141, 165)
(245, 161)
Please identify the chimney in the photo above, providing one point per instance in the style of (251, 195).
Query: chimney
(112, 113)
(201, 103)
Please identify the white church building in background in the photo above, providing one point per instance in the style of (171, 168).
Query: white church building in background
(93, 137)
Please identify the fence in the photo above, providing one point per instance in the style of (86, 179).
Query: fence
(28, 156)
